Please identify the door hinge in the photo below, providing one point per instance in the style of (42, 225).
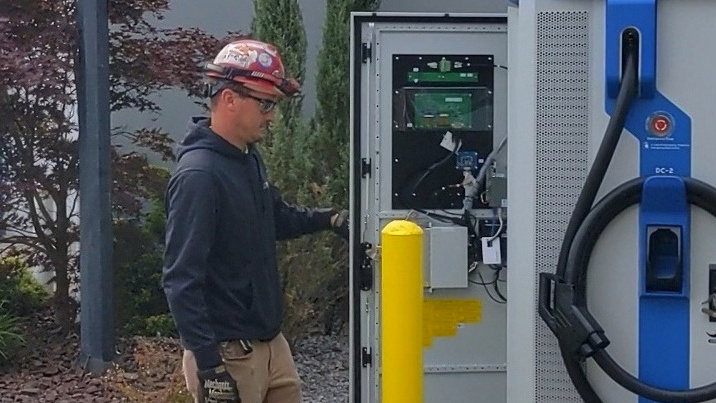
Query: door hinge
(365, 167)
(366, 357)
(366, 268)
(365, 52)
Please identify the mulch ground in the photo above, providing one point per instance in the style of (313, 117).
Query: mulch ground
(45, 370)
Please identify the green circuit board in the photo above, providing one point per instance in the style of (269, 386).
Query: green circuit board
(443, 110)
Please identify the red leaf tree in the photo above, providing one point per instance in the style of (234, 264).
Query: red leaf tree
(39, 210)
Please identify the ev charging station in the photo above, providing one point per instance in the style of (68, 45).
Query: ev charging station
(607, 182)
(611, 173)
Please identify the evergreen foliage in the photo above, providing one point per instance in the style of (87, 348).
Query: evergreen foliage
(280, 23)
(309, 162)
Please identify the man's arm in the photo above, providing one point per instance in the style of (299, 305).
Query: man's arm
(293, 221)
(191, 224)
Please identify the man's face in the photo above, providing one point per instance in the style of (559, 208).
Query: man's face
(254, 113)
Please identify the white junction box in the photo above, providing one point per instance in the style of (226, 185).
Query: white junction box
(445, 254)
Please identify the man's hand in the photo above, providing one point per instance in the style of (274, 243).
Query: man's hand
(217, 386)
(340, 224)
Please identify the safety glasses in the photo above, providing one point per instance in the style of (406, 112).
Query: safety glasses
(265, 105)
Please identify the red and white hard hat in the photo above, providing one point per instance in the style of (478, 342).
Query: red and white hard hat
(256, 65)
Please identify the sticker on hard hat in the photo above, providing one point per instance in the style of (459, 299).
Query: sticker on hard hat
(240, 56)
(265, 59)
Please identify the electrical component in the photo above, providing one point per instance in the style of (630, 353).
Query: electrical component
(429, 98)
(445, 257)
(496, 190)
(495, 230)
(467, 160)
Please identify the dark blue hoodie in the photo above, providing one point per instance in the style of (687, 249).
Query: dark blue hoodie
(223, 219)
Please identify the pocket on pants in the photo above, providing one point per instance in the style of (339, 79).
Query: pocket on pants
(242, 366)
(233, 351)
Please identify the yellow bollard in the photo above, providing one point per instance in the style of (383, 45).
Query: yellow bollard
(402, 312)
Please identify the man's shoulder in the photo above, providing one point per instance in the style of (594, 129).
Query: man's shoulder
(197, 159)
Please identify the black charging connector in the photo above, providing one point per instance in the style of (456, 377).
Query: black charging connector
(664, 266)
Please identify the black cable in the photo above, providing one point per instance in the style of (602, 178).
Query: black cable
(496, 286)
(450, 213)
(472, 235)
(625, 379)
(442, 218)
(584, 203)
(578, 377)
(565, 312)
(484, 285)
(479, 283)
(602, 159)
(699, 194)
(411, 186)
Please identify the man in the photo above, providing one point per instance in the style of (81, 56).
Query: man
(223, 219)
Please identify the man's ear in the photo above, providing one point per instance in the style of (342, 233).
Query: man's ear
(229, 98)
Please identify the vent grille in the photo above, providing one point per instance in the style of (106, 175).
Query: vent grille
(562, 136)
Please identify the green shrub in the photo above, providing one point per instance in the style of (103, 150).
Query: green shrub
(155, 325)
(19, 288)
(140, 304)
(10, 338)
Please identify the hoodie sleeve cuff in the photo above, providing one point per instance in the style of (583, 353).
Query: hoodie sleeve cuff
(207, 357)
(324, 217)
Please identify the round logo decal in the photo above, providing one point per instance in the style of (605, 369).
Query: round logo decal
(265, 59)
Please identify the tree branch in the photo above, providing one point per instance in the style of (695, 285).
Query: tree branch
(74, 204)
(37, 226)
(19, 231)
(49, 221)
(31, 242)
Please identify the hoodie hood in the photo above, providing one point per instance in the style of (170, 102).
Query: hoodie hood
(200, 136)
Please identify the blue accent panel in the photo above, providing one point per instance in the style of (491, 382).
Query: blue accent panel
(669, 155)
(664, 134)
(639, 14)
(664, 343)
(664, 313)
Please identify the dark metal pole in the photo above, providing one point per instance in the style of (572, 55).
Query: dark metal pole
(96, 306)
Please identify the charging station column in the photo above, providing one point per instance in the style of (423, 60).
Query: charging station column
(639, 263)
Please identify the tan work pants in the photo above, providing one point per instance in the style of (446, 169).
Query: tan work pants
(265, 375)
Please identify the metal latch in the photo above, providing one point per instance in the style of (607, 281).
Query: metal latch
(366, 357)
(365, 52)
(365, 167)
(366, 267)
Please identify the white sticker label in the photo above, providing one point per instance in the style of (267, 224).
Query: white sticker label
(448, 142)
(491, 251)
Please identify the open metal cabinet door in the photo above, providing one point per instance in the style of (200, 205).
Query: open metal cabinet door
(429, 106)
